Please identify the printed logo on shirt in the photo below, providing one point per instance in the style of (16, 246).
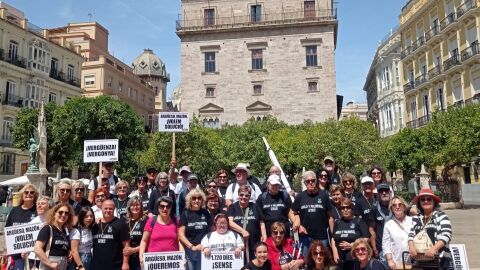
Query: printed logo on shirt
(274, 206)
(198, 225)
(312, 208)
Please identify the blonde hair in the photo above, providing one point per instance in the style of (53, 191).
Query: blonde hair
(31, 187)
(193, 193)
(311, 174)
(402, 201)
(358, 242)
(63, 182)
(121, 182)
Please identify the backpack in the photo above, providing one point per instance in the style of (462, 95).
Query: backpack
(154, 221)
(95, 181)
(283, 198)
(250, 183)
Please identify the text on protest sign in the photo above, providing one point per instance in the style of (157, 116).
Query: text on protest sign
(164, 260)
(19, 239)
(222, 261)
(173, 122)
(100, 150)
(459, 257)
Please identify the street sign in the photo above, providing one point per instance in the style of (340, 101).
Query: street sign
(100, 150)
(173, 122)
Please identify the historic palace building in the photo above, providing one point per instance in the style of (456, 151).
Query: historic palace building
(250, 59)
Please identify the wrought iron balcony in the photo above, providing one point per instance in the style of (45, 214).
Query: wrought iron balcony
(422, 121)
(465, 7)
(197, 23)
(408, 86)
(419, 42)
(434, 72)
(408, 50)
(412, 124)
(448, 20)
(73, 81)
(451, 62)
(12, 100)
(474, 49)
(473, 100)
(421, 79)
(6, 140)
(14, 60)
(435, 30)
(458, 104)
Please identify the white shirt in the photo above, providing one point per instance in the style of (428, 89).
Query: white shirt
(395, 240)
(222, 242)
(97, 212)
(86, 243)
(233, 194)
(37, 219)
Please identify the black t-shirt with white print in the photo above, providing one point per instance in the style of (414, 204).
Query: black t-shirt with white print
(60, 241)
(19, 216)
(253, 219)
(313, 210)
(274, 207)
(136, 232)
(349, 231)
(197, 224)
(108, 241)
(121, 207)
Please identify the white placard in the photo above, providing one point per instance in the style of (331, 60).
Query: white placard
(459, 256)
(222, 261)
(21, 238)
(100, 150)
(173, 122)
(164, 260)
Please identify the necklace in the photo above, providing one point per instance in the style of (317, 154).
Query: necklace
(134, 225)
(368, 201)
(102, 228)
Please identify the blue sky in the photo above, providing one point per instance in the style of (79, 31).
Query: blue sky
(137, 24)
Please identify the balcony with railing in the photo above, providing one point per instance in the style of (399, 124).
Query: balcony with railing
(13, 59)
(471, 51)
(423, 78)
(6, 140)
(419, 42)
(435, 30)
(451, 62)
(412, 124)
(12, 100)
(466, 7)
(73, 81)
(434, 72)
(408, 50)
(409, 86)
(198, 23)
(458, 104)
(422, 121)
(448, 20)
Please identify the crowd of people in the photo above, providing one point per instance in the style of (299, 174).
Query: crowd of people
(333, 223)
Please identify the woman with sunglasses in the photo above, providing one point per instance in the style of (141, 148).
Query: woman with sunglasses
(246, 218)
(437, 225)
(79, 201)
(22, 214)
(345, 231)
(362, 252)
(59, 221)
(349, 183)
(379, 177)
(195, 223)
(136, 221)
(213, 204)
(282, 252)
(222, 239)
(81, 240)
(64, 191)
(164, 237)
(121, 201)
(323, 184)
(261, 261)
(318, 257)
(99, 198)
(222, 182)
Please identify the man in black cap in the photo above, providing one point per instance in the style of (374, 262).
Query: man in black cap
(151, 175)
(381, 214)
(331, 166)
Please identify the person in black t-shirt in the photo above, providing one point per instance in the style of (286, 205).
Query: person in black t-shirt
(79, 201)
(312, 210)
(381, 214)
(362, 251)
(23, 214)
(261, 261)
(110, 238)
(60, 220)
(336, 195)
(345, 231)
(136, 223)
(121, 189)
(222, 182)
(141, 191)
(365, 204)
(195, 223)
(331, 166)
(64, 190)
(214, 204)
(323, 180)
(162, 189)
(349, 182)
(275, 205)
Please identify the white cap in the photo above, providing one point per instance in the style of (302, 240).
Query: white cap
(274, 180)
(367, 179)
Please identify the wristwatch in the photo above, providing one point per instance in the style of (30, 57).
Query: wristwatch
(80, 267)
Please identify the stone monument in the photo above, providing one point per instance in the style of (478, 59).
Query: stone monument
(424, 178)
(37, 172)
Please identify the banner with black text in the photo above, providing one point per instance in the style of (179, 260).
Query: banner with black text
(21, 238)
(222, 261)
(100, 150)
(173, 122)
(164, 260)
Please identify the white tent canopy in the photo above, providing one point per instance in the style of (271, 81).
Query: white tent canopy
(22, 180)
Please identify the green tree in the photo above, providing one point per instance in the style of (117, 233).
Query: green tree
(405, 150)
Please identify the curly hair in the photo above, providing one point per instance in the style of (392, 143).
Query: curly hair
(327, 257)
(194, 193)
(51, 215)
(31, 187)
(358, 242)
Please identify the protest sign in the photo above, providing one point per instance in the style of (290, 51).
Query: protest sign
(21, 238)
(164, 260)
(225, 260)
(173, 122)
(459, 256)
(100, 150)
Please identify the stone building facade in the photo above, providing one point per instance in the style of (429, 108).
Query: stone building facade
(33, 67)
(353, 109)
(249, 59)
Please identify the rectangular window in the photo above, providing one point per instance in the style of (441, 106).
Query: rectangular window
(256, 13)
(34, 96)
(413, 110)
(257, 89)
(39, 57)
(7, 133)
(210, 62)
(311, 55)
(210, 92)
(440, 100)
(209, 17)
(309, 9)
(8, 164)
(400, 115)
(70, 73)
(257, 59)
(54, 67)
(89, 80)
(426, 106)
(13, 50)
(52, 97)
(312, 86)
(120, 86)
(10, 91)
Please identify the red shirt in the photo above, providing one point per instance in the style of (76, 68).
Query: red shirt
(282, 255)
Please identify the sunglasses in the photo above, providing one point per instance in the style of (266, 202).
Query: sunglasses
(321, 253)
(164, 206)
(376, 173)
(100, 196)
(328, 162)
(361, 250)
(309, 181)
(221, 176)
(65, 190)
(323, 176)
(244, 195)
(278, 232)
(197, 198)
(345, 208)
(395, 205)
(426, 199)
(29, 192)
(63, 213)
(384, 191)
(212, 186)
(348, 181)
(79, 190)
(122, 188)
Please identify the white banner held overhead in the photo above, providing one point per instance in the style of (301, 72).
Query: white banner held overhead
(20, 239)
(173, 122)
(100, 150)
(222, 261)
(164, 260)
(459, 256)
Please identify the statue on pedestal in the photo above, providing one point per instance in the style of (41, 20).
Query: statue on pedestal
(33, 147)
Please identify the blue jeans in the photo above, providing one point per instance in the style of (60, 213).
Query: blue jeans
(86, 259)
(19, 264)
(306, 241)
(194, 259)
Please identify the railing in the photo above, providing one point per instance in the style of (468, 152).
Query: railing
(449, 189)
(6, 140)
(434, 72)
(473, 100)
(422, 121)
(57, 75)
(92, 59)
(450, 62)
(465, 7)
(36, 30)
(73, 81)
(12, 100)
(60, 76)
(14, 60)
(421, 79)
(408, 86)
(474, 49)
(449, 19)
(412, 124)
(266, 19)
(435, 30)
(408, 50)
(419, 42)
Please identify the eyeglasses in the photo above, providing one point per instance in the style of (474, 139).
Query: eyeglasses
(309, 181)
(212, 186)
(348, 181)
(29, 192)
(79, 190)
(323, 176)
(244, 195)
(122, 188)
(164, 206)
(321, 253)
(397, 205)
(426, 199)
(63, 213)
(100, 196)
(360, 250)
(65, 190)
(328, 162)
(376, 173)
(345, 208)
(197, 198)
(222, 176)
(278, 232)
(384, 191)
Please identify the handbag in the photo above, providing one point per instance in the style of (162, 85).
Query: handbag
(47, 252)
(422, 241)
